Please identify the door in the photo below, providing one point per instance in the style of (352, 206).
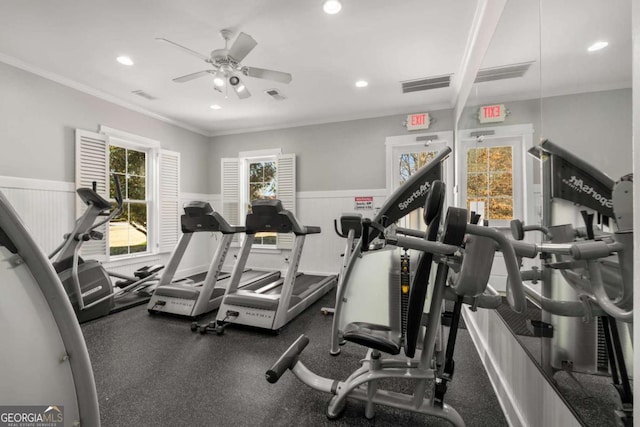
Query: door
(408, 153)
(491, 180)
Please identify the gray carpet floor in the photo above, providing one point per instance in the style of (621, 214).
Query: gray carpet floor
(153, 371)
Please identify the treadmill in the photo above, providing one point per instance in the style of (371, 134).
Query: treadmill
(273, 305)
(191, 299)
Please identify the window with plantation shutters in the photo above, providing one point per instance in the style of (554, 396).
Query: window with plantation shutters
(231, 192)
(150, 184)
(286, 192)
(92, 166)
(169, 200)
(261, 174)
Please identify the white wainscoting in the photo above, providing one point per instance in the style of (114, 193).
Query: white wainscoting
(526, 397)
(321, 253)
(46, 207)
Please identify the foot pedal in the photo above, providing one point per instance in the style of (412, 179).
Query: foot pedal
(539, 328)
(447, 317)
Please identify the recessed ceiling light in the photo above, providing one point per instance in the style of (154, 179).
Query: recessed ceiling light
(597, 46)
(362, 83)
(215, 107)
(331, 7)
(124, 60)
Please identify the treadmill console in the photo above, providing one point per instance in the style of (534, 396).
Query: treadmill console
(268, 215)
(200, 216)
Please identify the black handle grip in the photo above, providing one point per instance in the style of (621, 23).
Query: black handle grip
(288, 359)
(517, 229)
(588, 222)
(366, 225)
(335, 227)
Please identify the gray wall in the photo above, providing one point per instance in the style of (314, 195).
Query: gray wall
(333, 156)
(596, 126)
(39, 118)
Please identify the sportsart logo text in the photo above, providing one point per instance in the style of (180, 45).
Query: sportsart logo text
(579, 185)
(418, 193)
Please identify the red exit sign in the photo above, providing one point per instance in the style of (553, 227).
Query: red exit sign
(418, 121)
(492, 113)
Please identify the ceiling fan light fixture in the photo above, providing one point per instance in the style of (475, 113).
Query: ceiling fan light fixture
(362, 83)
(125, 60)
(234, 80)
(218, 79)
(331, 7)
(215, 107)
(597, 46)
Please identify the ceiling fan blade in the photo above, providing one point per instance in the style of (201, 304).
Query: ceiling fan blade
(261, 73)
(242, 46)
(192, 76)
(240, 89)
(205, 58)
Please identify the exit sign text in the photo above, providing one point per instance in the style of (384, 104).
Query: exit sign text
(492, 113)
(418, 121)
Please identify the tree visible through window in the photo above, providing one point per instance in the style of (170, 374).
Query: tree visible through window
(262, 185)
(409, 164)
(490, 182)
(128, 231)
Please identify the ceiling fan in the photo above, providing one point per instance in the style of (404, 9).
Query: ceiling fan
(227, 67)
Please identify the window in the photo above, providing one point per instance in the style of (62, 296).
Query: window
(149, 178)
(262, 185)
(262, 174)
(490, 182)
(128, 231)
(491, 174)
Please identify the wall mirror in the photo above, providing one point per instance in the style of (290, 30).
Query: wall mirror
(560, 71)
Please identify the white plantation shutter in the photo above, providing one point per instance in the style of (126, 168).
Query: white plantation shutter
(169, 200)
(92, 165)
(286, 192)
(231, 191)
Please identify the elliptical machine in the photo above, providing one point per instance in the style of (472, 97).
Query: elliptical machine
(87, 283)
(351, 225)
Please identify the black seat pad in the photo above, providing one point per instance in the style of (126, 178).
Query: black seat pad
(378, 337)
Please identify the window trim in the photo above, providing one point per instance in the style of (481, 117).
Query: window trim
(523, 191)
(393, 143)
(152, 148)
(244, 158)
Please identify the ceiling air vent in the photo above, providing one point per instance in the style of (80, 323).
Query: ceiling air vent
(275, 94)
(144, 95)
(426, 83)
(503, 72)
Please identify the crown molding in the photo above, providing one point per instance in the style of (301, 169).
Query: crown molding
(22, 65)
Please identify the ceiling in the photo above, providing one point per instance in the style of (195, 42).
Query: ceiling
(380, 41)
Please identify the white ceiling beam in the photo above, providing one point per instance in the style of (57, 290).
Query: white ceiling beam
(485, 22)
